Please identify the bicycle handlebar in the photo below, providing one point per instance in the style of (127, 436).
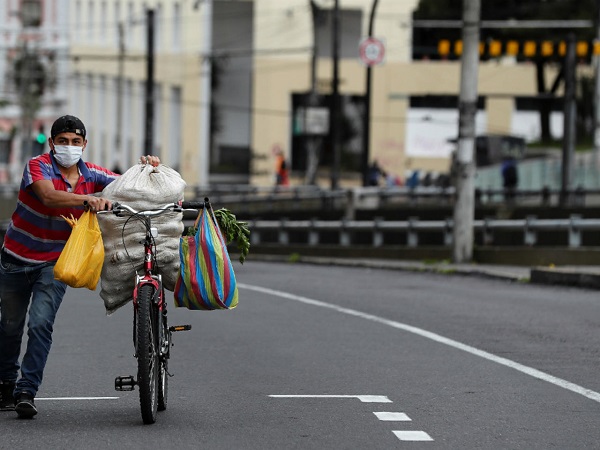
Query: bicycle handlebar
(193, 205)
(120, 208)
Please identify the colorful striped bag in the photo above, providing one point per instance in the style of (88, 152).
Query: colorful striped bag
(206, 280)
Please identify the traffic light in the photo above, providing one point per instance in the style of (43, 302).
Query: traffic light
(39, 144)
(41, 137)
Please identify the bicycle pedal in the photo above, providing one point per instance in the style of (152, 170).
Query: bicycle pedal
(180, 328)
(125, 383)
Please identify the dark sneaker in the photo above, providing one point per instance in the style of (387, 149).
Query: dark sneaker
(24, 406)
(7, 401)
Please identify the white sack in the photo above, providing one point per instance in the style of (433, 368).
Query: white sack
(141, 187)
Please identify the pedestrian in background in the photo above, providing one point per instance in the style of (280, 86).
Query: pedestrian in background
(510, 178)
(281, 168)
(374, 174)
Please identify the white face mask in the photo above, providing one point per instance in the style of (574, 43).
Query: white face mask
(67, 155)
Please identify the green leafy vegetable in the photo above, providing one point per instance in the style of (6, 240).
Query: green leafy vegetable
(232, 230)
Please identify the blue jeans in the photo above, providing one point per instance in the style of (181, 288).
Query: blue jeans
(23, 286)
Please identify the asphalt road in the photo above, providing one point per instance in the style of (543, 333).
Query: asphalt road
(320, 357)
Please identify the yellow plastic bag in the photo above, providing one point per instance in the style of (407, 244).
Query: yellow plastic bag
(80, 263)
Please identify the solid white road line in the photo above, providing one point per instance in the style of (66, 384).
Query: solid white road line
(362, 398)
(588, 393)
(76, 398)
(392, 416)
(412, 436)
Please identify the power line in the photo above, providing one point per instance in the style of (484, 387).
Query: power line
(517, 24)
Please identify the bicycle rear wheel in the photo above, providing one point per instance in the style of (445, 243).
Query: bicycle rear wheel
(147, 353)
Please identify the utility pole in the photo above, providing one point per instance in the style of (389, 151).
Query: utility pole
(335, 100)
(597, 101)
(149, 126)
(205, 92)
(464, 208)
(119, 159)
(312, 142)
(367, 119)
(570, 112)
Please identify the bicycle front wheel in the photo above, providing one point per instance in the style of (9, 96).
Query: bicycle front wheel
(163, 372)
(147, 352)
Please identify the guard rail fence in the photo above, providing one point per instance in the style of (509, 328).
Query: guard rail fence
(294, 197)
(376, 197)
(574, 226)
(530, 226)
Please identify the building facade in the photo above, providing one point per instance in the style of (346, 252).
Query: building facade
(33, 78)
(233, 81)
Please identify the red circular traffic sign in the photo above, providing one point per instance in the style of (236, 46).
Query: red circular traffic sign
(372, 51)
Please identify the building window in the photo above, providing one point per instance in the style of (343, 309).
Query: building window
(126, 137)
(89, 114)
(174, 153)
(31, 13)
(90, 22)
(77, 27)
(131, 25)
(157, 125)
(176, 27)
(101, 120)
(117, 24)
(350, 29)
(103, 24)
(158, 27)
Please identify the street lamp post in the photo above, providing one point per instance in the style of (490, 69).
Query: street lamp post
(367, 117)
(335, 100)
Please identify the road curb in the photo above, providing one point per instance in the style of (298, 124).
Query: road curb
(565, 277)
(581, 277)
(490, 272)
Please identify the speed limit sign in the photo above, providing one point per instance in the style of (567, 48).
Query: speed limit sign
(371, 51)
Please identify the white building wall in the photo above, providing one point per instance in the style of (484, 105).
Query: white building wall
(177, 64)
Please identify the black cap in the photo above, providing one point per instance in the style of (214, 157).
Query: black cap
(67, 124)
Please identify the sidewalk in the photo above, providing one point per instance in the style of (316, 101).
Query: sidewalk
(577, 276)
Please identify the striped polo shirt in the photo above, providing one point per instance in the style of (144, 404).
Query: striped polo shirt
(37, 233)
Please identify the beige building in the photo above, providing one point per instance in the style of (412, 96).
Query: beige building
(252, 61)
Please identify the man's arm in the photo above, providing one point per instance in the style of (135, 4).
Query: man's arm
(53, 198)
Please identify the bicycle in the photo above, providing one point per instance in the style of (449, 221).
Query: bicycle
(151, 333)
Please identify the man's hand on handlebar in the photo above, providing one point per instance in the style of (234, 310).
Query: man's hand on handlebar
(95, 204)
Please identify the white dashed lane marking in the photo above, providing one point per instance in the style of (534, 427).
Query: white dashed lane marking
(387, 416)
(362, 398)
(392, 416)
(75, 398)
(412, 436)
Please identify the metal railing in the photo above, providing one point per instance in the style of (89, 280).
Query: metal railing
(530, 227)
(573, 226)
(375, 197)
(296, 197)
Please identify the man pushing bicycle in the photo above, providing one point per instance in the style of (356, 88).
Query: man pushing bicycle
(53, 184)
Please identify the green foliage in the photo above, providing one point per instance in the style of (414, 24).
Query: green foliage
(294, 257)
(232, 230)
